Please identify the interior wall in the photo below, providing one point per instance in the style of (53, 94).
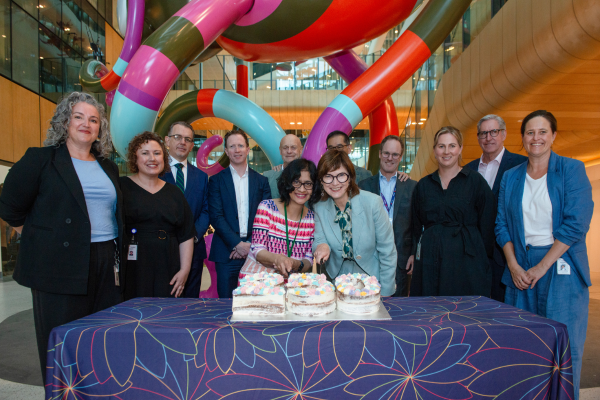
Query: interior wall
(593, 236)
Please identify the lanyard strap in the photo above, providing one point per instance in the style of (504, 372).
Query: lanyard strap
(287, 232)
(385, 204)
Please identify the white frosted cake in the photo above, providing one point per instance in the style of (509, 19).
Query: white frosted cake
(357, 293)
(310, 295)
(259, 294)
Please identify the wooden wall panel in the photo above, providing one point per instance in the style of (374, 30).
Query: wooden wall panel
(46, 112)
(26, 120)
(114, 44)
(6, 131)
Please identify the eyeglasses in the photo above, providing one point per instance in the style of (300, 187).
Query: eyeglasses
(341, 178)
(339, 147)
(178, 138)
(286, 148)
(493, 133)
(308, 185)
(387, 154)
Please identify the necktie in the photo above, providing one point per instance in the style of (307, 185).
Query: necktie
(179, 181)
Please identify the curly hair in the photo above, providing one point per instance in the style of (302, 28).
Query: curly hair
(332, 160)
(137, 142)
(292, 173)
(58, 132)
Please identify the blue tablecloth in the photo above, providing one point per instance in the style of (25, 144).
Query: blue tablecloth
(433, 348)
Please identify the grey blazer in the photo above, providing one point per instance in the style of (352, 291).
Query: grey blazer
(272, 176)
(372, 238)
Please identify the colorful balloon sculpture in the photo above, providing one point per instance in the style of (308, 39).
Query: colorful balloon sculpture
(267, 31)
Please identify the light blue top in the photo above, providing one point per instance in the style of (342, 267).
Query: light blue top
(386, 188)
(100, 199)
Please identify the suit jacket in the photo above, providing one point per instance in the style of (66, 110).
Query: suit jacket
(361, 173)
(372, 238)
(43, 193)
(402, 214)
(572, 208)
(223, 212)
(272, 176)
(196, 194)
(509, 160)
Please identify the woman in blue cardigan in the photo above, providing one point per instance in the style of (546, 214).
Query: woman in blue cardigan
(544, 212)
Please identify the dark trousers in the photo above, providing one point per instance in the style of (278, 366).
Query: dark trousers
(498, 288)
(194, 281)
(227, 276)
(51, 309)
(402, 282)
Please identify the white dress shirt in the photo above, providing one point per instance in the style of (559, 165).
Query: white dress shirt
(537, 212)
(241, 197)
(386, 188)
(172, 163)
(490, 170)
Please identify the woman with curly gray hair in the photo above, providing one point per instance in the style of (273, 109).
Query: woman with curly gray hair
(65, 201)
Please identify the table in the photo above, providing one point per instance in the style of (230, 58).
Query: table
(433, 348)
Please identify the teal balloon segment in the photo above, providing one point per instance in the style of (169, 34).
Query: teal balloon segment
(132, 119)
(348, 108)
(120, 66)
(253, 120)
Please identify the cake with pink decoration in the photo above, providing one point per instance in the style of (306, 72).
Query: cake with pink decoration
(259, 294)
(310, 295)
(357, 293)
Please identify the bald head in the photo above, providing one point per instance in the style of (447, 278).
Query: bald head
(290, 148)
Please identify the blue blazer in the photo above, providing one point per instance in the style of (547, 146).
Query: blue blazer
(196, 194)
(223, 212)
(572, 208)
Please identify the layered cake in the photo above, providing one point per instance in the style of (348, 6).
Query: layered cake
(259, 294)
(357, 293)
(310, 295)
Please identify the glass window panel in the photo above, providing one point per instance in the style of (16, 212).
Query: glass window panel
(71, 23)
(90, 31)
(72, 65)
(50, 15)
(31, 6)
(51, 65)
(5, 38)
(25, 56)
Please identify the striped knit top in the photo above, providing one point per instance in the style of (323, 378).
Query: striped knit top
(268, 232)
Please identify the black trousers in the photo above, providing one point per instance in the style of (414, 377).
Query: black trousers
(498, 288)
(51, 309)
(194, 281)
(402, 282)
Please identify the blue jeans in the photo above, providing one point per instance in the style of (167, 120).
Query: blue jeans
(563, 298)
(227, 277)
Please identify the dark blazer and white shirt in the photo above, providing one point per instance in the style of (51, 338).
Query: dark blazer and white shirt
(401, 224)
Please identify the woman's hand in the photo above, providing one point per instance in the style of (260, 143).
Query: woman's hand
(284, 264)
(178, 282)
(536, 273)
(322, 253)
(519, 277)
(409, 265)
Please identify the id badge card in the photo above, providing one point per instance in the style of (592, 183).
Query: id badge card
(132, 253)
(562, 268)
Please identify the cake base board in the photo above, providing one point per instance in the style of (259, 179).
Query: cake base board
(381, 315)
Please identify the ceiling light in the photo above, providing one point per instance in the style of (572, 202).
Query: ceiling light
(423, 119)
(299, 123)
(268, 87)
(414, 123)
(420, 123)
(329, 76)
(396, 31)
(41, 58)
(422, 79)
(314, 70)
(292, 123)
(3, 36)
(450, 48)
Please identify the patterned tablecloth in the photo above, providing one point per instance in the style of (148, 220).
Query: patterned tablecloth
(433, 348)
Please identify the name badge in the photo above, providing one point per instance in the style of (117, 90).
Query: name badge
(132, 253)
(562, 268)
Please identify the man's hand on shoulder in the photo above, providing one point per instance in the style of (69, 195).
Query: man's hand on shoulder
(403, 176)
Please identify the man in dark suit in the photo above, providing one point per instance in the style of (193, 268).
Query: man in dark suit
(234, 196)
(396, 196)
(494, 162)
(338, 140)
(194, 185)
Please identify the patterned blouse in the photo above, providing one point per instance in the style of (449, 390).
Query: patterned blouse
(268, 233)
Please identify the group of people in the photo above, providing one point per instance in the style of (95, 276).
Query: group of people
(504, 226)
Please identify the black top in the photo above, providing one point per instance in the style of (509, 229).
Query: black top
(43, 193)
(456, 229)
(163, 220)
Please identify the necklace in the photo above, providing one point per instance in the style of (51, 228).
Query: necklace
(287, 232)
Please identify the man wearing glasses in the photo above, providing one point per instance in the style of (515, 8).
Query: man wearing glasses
(194, 185)
(290, 149)
(495, 160)
(338, 140)
(396, 195)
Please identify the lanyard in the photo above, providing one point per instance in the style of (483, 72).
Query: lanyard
(287, 235)
(385, 204)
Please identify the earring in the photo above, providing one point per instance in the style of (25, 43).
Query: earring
(322, 193)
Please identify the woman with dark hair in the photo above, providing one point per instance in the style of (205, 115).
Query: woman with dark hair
(453, 225)
(544, 212)
(159, 224)
(66, 202)
(283, 229)
(352, 229)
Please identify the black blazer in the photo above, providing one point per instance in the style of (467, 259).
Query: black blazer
(42, 192)
(509, 160)
(402, 214)
(222, 208)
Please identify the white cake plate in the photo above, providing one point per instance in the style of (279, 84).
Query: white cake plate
(381, 315)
